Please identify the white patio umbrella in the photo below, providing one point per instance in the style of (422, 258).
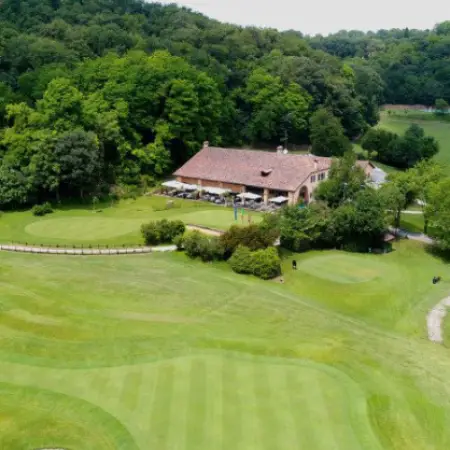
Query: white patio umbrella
(249, 196)
(279, 200)
(189, 187)
(173, 184)
(216, 190)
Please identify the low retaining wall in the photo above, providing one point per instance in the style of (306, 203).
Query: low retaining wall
(85, 251)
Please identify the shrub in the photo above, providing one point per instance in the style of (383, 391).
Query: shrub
(265, 264)
(192, 244)
(172, 229)
(150, 231)
(179, 241)
(162, 231)
(271, 224)
(198, 245)
(253, 236)
(241, 260)
(42, 210)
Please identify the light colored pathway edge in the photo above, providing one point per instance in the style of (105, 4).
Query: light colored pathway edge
(104, 251)
(85, 251)
(434, 320)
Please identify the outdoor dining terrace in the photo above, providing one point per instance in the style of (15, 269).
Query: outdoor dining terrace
(222, 196)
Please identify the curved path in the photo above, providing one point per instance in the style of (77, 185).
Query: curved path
(435, 318)
(103, 251)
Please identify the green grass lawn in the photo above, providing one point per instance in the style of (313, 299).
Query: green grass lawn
(146, 352)
(398, 124)
(412, 222)
(116, 225)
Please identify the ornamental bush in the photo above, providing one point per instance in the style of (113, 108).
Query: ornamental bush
(265, 263)
(42, 210)
(151, 233)
(241, 260)
(168, 229)
(162, 231)
(198, 245)
(254, 237)
(179, 241)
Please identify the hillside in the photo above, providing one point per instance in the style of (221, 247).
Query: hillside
(414, 64)
(129, 90)
(95, 94)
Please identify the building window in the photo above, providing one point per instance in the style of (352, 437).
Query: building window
(313, 179)
(321, 176)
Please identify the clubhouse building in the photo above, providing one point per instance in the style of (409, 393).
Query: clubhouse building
(267, 174)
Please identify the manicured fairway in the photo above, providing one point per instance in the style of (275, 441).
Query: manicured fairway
(115, 225)
(160, 352)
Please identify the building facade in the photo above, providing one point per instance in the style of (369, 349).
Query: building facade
(269, 174)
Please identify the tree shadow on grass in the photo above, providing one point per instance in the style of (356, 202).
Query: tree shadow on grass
(438, 252)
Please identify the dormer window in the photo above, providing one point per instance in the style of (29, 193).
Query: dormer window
(266, 172)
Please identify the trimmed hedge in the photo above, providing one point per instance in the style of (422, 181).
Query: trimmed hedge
(199, 245)
(265, 264)
(162, 231)
(254, 237)
(241, 260)
(42, 210)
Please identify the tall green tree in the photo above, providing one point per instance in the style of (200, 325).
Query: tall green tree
(423, 176)
(78, 159)
(327, 134)
(441, 106)
(345, 180)
(438, 212)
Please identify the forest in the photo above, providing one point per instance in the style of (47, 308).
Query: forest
(100, 93)
(413, 64)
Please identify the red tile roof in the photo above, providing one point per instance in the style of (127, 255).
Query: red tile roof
(246, 167)
(363, 164)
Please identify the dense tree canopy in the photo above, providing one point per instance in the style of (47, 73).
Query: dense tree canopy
(136, 87)
(400, 151)
(327, 134)
(414, 65)
(139, 86)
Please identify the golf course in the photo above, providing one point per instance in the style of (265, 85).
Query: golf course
(111, 224)
(161, 352)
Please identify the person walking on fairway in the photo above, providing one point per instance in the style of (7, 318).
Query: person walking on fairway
(294, 264)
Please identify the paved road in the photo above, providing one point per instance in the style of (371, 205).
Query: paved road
(412, 212)
(410, 235)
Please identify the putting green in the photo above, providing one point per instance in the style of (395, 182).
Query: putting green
(87, 228)
(212, 218)
(342, 267)
(37, 419)
(197, 402)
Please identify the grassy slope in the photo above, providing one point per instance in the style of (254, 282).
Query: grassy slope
(160, 352)
(118, 225)
(438, 129)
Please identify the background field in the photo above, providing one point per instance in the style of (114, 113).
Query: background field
(160, 352)
(115, 225)
(436, 128)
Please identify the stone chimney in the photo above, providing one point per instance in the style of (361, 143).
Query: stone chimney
(206, 144)
(316, 164)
